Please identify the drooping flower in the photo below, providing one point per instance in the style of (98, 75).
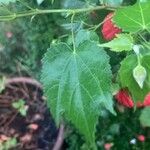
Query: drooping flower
(109, 29)
(147, 100)
(124, 98)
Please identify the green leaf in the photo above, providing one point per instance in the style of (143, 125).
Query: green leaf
(127, 80)
(6, 1)
(133, 18)
(144, 117)
(123, 42)
(77, 85)
(18, 104)
(23, 111)
(10, 143)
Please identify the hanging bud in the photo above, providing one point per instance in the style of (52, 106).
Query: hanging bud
(139, 74)
(136, 49)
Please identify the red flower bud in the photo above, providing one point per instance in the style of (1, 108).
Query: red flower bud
(109, 29)
(124, 98)
(141, 138)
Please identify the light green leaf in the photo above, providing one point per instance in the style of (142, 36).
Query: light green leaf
(139, 74)
(123, 42)
(77, 85)
(144, 117)
(133, 18)
(6, 1)
(127, 80)
(20, 106)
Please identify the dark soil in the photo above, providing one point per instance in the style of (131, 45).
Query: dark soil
(12, 124)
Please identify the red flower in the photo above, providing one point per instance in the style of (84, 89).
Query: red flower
(124, 98)
(147, 100)
(109, 29)
(141, 138)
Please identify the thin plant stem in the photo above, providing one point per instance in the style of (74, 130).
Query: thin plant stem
(48, 11)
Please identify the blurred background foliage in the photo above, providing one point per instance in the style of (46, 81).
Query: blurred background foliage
(24, 41)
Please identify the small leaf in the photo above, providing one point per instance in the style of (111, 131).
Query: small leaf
(9, 144)
(77, 85)
(133, 18)
(127, 80)
(144, 117)
(123, 42)
(139, 74)
(23, 111)
(18, 104)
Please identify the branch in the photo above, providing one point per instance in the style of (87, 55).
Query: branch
(48, 11)
(23, 80)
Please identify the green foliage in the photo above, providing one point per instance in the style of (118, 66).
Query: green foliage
(74, 83)
(127, 80)
(144, 117)
(20, 107)
(10, 143)
(133, 18)
(123, 42)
